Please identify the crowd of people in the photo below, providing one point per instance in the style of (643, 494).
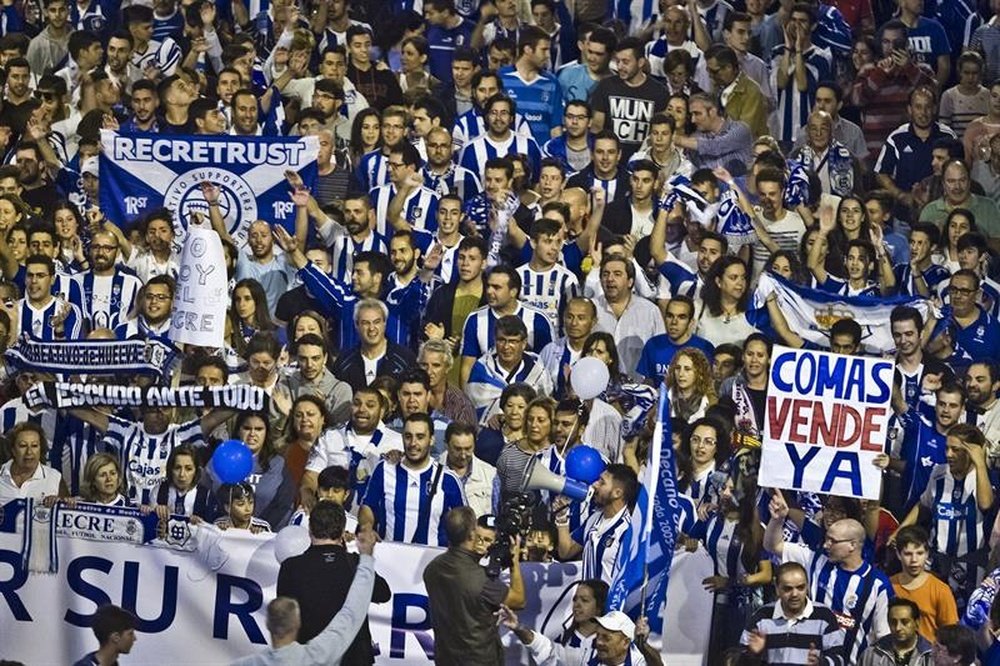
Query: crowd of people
(503, 189)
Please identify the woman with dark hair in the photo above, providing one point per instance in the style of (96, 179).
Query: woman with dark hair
(746, 392)
(733, 537)
(273, 486)
(506, 427)
(366, 134)
(182, 494)
(306, 422)
(414, 78)
(851, 223)
(14, 210)
(786, 264)
(959, 222)
(677, 106)
(588, 604)
(726, 315)
(514, 459)
(858, 259)
(704, 448)
(248, 315)
(72, 231)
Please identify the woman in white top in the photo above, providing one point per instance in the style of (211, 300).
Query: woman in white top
(25, 475)
(725, 316)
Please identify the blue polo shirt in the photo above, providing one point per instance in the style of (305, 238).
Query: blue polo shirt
(659, 350)
(980, 339)
(906, 158)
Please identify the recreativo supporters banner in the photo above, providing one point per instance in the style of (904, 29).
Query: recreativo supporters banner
(140, 172)
(826, 420)
(191, 613)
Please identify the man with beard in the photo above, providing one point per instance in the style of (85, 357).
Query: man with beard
(958, 194)
(922, 446)
(717, 140)
(119, 65)
(37, 191)
(261, 264)
(982, 381)
(406, 281)
(314, 378)
(435, 491)
(155, 305)
(327, 100)
(145, 103)
(244, 113)
(143, 446)
(441, 174)
(500, 140)
(108, 293)
(176, 95)
(684, 281)
(354, 235)
(472, 124)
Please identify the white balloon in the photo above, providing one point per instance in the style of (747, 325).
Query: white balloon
(290, 541)
(589, 378)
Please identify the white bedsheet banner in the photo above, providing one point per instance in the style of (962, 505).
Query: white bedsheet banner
(190, 614)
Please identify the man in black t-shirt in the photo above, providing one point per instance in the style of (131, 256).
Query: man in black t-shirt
(625, 104)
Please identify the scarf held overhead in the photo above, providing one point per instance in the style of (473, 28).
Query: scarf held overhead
(64, 395)
(94, 357)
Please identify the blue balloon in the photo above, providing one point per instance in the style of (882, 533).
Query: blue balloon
(232, 461)
(584, 463)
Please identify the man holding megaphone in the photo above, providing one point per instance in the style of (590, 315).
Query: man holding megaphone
(600, 538)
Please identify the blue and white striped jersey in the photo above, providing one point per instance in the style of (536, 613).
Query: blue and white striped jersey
(106, 301)
(479, 332)
(343, 248)
(164, 56)
(602, 540)
(958, 526)
(539, 101)
(548, 291)
(456, 180)
(471, 125)
(794, 105)
(73, 444)
(144, 456)
(372, 170)
(410, 505)
(168, 26)
(859, 599)
(420, 209)
(482, 149)
(37, 322)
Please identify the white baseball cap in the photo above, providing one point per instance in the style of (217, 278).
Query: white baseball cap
(617, 621)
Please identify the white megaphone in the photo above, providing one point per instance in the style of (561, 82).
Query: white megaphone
(538, 477)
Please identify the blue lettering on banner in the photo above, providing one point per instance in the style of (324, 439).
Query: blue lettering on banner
(845, 378)
(798, 463)
(402, 625)
(852, 472)
(129, 596)
(243, 610)
(9, 587)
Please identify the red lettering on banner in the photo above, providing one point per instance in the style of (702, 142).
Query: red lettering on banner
(811, 422)
(871, 426)
(799, 419)
(776, 414)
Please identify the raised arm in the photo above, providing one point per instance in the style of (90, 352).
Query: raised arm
(211, 193)
(774, 538)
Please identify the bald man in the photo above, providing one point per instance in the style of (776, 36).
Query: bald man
(839, 577)
(833, 163)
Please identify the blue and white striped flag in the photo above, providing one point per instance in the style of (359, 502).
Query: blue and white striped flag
(811, 312)
(640, 584)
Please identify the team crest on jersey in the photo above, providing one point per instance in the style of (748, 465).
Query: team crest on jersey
(609, 542)
(460, 40)
(980, 331)
(418, 212)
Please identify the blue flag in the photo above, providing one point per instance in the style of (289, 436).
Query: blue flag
(640, 584)
(141, 172)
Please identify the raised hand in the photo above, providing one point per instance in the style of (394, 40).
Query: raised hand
(300, 197)
(210, 191)
(778, 506)
(294, 179)
(366, 540)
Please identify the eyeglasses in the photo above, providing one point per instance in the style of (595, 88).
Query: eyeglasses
(576, 116)
(44, 95)
(832, 541)
(961, 291)
(395, 165)
(158, 298)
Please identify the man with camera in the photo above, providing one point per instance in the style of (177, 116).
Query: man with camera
(464, 600)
